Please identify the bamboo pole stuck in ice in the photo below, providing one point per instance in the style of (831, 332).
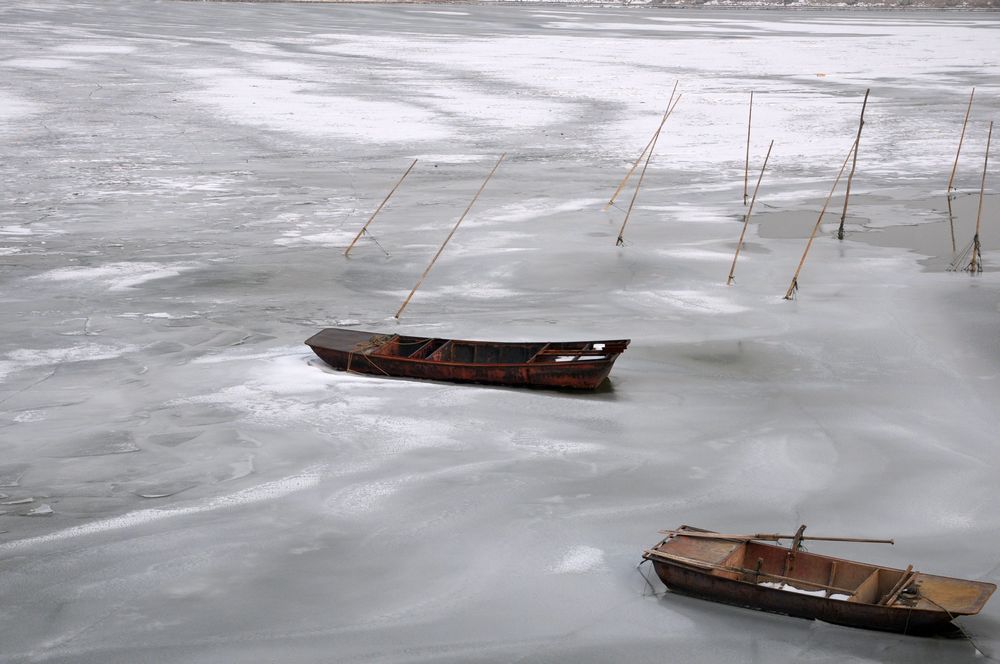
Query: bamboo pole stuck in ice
(976, 262)
(850, 177)
(364, 228)
(746, 168)
(621, 185)
(746, 217)
(954, 168)
(459, 223)
(794, 286)
(635, 194)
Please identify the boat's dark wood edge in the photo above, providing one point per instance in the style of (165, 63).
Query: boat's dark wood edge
(316, 340)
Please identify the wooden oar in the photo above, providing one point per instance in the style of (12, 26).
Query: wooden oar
(771, 537)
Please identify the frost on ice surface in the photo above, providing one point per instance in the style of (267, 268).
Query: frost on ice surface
(116, 276)
(578, 560)
(82, 353)
(264, 492)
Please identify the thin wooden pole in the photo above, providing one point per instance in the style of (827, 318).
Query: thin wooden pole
(462, 218)
(850, 178)
(620, 241)
(795, 278)
(746, 217)
(976, 262)
(621, 185)
(954, 168)
(364, 228)
(774, 537)
(746, 168)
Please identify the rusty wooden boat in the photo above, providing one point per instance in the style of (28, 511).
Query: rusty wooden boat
(745, 571)
(580, 365)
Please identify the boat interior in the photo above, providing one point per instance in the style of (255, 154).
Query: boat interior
(480, 352)
(779, 567)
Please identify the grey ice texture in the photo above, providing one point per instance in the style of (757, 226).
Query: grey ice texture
(184, 482)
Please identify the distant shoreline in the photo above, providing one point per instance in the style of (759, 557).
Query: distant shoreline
(902, 5)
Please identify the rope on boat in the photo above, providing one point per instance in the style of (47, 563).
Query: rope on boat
(373, 342)
(652, 589)
(959, 626)
(350, 358)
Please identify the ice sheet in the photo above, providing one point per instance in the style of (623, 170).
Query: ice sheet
(188, 482)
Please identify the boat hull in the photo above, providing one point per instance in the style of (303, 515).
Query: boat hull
(346, 351)
(699, 583)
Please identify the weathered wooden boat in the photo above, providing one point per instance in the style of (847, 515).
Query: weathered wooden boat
(741, 570)
(581, 365)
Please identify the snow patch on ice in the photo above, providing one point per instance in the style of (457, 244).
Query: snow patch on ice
(339, 239)
(697, 254)
(117, 276)
(473, 290)
(579, 560)
(268, 491)
(359, 499)
(13, 107)
(96, 47)
(40, 63)
(82, 353)
(450, 158)
(542, 207)
(685, 300)
(311, 109)
(42, 510)
(15, 230)
(29, 415)
(235, 356)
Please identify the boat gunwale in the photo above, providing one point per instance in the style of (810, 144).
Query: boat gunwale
(607, 358)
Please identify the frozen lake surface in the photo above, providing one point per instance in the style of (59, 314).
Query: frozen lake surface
(182, 481)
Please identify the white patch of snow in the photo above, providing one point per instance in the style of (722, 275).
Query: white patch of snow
(117, 276)
(578, 560)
